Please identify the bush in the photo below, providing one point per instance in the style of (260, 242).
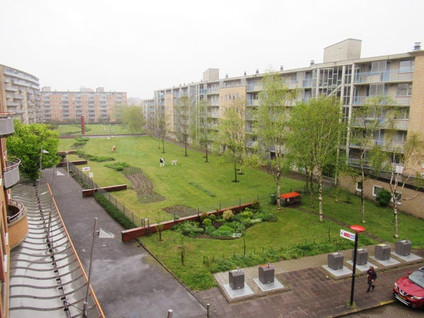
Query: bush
(118, 166)
(114, 212)
(228, 215)
(207, 222)
(224, 230)
(212, 217)
(190, 229)
(383, 198)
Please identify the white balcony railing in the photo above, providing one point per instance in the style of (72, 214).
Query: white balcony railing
(11, 172)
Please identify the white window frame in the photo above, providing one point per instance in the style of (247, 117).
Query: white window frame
(374, 194)
(358, 188)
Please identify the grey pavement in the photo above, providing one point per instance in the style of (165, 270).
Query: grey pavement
(130, 283)
(127, 281)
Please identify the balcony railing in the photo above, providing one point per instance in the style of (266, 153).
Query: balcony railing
(379, 77)
(16, 210)
(398, 100)
(11, 172)
(7, 126)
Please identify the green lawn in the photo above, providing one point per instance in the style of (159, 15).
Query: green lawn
(295, 234)
(180, 185)
(92, 129)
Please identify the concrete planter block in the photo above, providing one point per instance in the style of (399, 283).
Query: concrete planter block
(335, 260)
(236, 279)
(266, 274)
(403, 247)
(382, 251)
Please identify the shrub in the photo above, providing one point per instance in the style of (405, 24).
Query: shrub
(190, 229)
(114, 212)
(203, 216)
(228, 215)
(207, 222)
(383, 198)
(224, 230)
(118, 166)
(212, 217)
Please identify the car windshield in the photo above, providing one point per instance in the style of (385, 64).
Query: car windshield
(417, 277)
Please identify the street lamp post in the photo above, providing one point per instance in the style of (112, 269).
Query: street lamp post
(358, 229)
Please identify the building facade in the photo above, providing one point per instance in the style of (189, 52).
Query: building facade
(20, 92)
(95, 105)
(343, 74)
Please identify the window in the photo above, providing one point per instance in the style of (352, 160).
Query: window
(404, 89)
(359, 186)
(376, 190)
(379, 66)
(376, 89)
(406, 66)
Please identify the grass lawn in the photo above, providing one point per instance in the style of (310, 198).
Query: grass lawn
(295, 233)
(92, 129)
(192, 183)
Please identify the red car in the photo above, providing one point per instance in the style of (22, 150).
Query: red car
(410, 289)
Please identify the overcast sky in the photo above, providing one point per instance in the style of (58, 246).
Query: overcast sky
(138, 46)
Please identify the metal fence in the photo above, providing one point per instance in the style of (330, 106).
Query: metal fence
(136, 218)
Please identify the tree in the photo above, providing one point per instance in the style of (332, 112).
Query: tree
(201, 132)
(132, 116)
(160, 128)
(231, 134)
(36, 146)
(365, 124)
(271, 125)
(316, 128)
(182, 120)
(397, 157)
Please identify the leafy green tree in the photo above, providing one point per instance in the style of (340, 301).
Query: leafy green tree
(132, 116)
(271, 125)
(314, 140)
(365, 124)
(182, 121)
(201, 132)
(231, 134)
(397, 158)
(36, 146)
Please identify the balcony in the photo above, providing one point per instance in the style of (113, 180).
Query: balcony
(7, 126)
(17, 223)
(397, 100)
(11, 172)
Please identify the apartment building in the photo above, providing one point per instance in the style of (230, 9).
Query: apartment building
(20, 92)
(343, 73)
(95, 105)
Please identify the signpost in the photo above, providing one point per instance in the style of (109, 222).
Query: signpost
(347, 235)
(358, 229)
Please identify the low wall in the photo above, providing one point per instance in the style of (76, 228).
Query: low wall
(132, 234)
(90, 192)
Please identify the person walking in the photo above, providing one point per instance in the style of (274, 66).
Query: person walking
(371, 277)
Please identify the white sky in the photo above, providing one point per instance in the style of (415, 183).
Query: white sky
(138, 46)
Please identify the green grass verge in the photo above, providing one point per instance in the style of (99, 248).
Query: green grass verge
(114, 212)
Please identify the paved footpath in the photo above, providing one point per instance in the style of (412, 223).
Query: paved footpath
(311, 291)
(126, 279)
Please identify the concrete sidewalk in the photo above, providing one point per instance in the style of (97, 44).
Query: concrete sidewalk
(309, 290)
(126, 279)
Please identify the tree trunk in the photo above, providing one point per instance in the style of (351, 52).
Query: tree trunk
(363, 196)
(278, 190)
(321, 215)
(163, 145)
(206, 151)
(185, 148)
(235, 171)
(395, 212)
